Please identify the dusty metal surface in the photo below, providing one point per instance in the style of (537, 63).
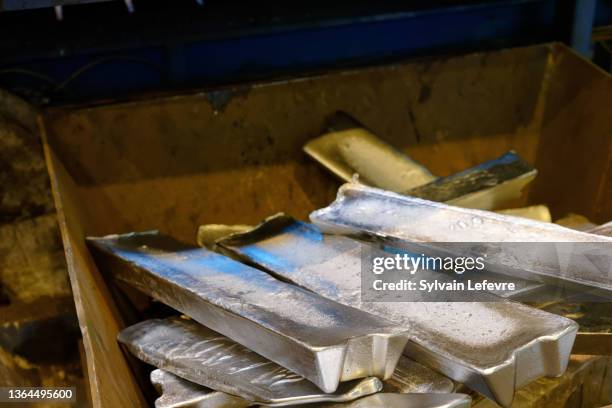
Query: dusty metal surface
(348, 148)
(389, 400)
(198, 354)
(409, 377)
(319, 339)
(488, 186)
(176, 392)
(421, 225)
(494, 347)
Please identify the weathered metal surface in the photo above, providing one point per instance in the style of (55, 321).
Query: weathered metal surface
(176, 392)
(420, 225)
(493, 347)
(198, 354)
(319, 339)
(533, 212)
(409, 377)
(488, 186)
(388, 400)
(180, 393)
(348, 148)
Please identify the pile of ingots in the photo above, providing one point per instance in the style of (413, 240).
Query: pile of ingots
(272, 315)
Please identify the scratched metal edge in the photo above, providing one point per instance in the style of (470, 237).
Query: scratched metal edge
(336, 367)
(216, 379)
(392, 400)
(503, 169)
(325, 148)
(492, 381)
(166, 384)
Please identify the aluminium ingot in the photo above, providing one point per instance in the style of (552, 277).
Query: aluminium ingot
(202, 356)
(421, 225)
(348, 148)
(312, 336)
(180, 393)
(176, 392)
(494, 347)
(389, 400)
(488, 186)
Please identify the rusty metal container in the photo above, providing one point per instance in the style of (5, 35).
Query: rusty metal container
(234, 155)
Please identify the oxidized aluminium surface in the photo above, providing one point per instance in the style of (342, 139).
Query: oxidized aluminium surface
(180, 393)
(200, 355)
(176, 392)
(388, 400)
(494, 347)
(348, 148)
(565, 257)
(315, 337)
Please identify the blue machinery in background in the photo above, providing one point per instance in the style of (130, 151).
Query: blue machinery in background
(101, 51)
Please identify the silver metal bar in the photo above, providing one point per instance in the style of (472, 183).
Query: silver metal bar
(180, 393)
(488, 186)
(388, 400)
(421, 225)
(312, 336)
(348, 148)
(200, 355)
(494, 347)
(176, 392)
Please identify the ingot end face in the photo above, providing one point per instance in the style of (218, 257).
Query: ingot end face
(373, 355)
(329, 363)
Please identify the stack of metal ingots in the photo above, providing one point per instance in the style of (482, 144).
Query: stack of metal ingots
(273, 315)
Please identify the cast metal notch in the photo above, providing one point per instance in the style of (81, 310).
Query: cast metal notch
(202, 356)
(425, 226)
(494, 347)
(315, 337)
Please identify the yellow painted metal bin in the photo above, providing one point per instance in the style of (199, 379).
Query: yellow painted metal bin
(234, 155)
